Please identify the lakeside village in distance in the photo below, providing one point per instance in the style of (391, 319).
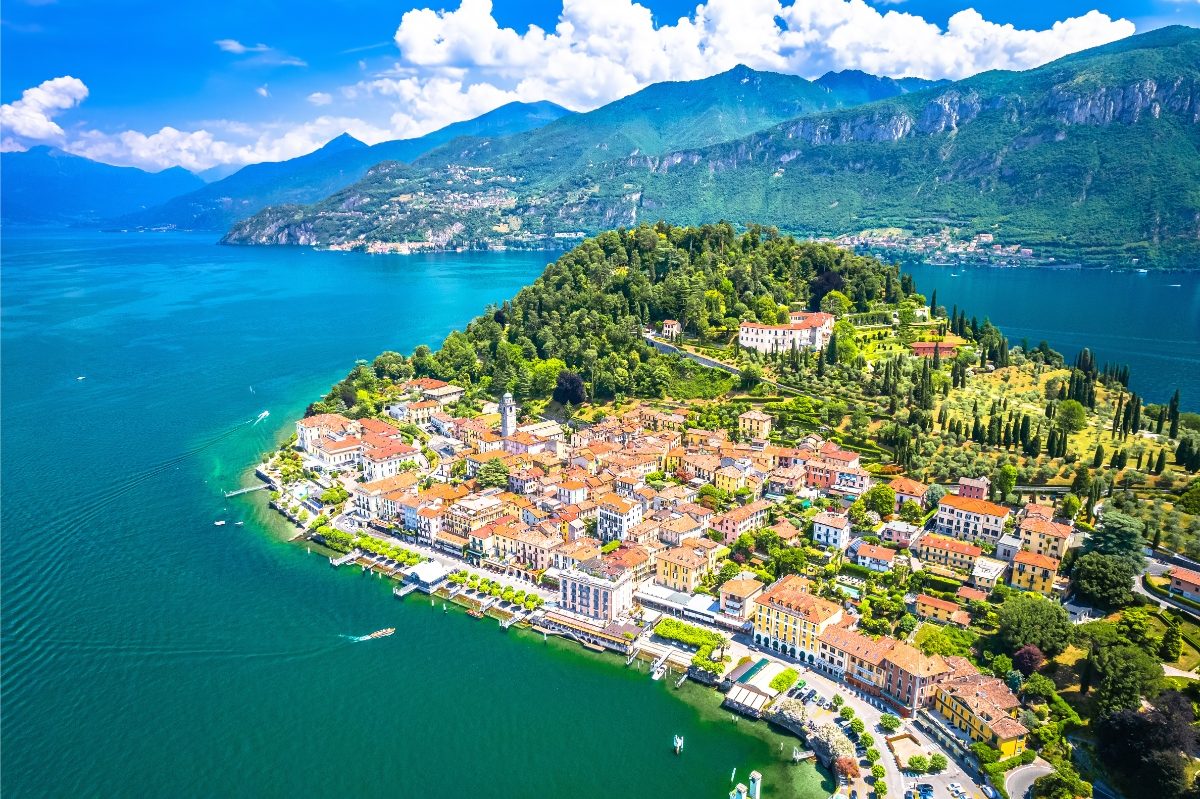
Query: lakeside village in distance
(856, 513)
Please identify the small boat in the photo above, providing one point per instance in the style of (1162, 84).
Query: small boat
(475, 613)
(238, 524)
(658, 673)
(678, 744)
(1142, 271)
(81, 377)
(219, 523)
(384, 633)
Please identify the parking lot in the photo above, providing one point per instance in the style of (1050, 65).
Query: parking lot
(870, 709)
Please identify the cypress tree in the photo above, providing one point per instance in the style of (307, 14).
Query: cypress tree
(1161, 463)
(1098, 458)
(1173, 415)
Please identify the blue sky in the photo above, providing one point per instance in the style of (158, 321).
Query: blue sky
(158, 84)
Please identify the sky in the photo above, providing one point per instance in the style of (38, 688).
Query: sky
(202, 85)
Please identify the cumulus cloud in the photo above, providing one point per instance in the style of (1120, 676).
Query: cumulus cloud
(456, 64)
(263, 91)
(31, 118)
(601, 50)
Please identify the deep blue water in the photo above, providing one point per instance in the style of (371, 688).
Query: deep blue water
(1151, 322)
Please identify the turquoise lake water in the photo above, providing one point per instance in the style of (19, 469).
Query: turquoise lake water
(149, 653)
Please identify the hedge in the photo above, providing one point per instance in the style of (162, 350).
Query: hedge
(1165, 594)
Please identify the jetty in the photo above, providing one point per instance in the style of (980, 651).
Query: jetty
(633, 655)
(246, 490)
(349, 557)
(511, 620)
(402, 591)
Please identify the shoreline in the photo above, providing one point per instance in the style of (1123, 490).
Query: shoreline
(698, 696)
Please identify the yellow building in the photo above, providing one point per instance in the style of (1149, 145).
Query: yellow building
(729, 479)
(981, 706)
(1045, 537)
(788, 619)
(681, 568)
(1033, 572)
(948, 552)
(755, 424)
(932, 607)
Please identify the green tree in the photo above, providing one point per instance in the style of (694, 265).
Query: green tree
(918, 763)
(1032, 619)
(1121, 535)
(1172, 642)
(880, 498)
(938, 762)
(1038, 686)
(836, 303)
(878, 772)
(1105, 580)
(1070, 417)
(1004, 480)
(911, 512)
(1121, 675)
(493, 474)
(889, 722)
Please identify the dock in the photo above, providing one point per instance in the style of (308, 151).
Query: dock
(349, 557)
(402, 591)
(632, 655)
(246, 490)
(511, 620)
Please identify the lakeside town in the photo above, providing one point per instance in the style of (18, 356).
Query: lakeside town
(945, 563)
(598, 534)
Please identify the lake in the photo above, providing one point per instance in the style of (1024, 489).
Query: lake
(1150, 321)
(149, 653)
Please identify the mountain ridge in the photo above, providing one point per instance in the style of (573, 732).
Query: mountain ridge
(46, 184)
(1094, 156)
(307, 178)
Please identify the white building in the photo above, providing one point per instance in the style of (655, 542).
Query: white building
(968, 518)
(596, 590)
(875, 558)
(616, 517)
(832, 529)
(804, 331)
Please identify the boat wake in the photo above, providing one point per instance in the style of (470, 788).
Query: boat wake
(260, 417)
(384, 633)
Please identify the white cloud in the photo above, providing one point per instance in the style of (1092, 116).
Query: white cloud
(457, 64)
(601, 50)
(201, 149)
(260, 54)
(31, 119)
(236, 47)
(263, 91)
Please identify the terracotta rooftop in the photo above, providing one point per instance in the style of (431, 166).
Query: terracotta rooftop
(969, 505)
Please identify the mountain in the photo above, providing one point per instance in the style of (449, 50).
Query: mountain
(310, 177)
(1095, 157)
(44, 184)
(856, 87)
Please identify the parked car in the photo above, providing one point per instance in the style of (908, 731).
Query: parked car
(988, 792)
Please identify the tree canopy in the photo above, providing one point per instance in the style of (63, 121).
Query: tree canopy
(1032, 619)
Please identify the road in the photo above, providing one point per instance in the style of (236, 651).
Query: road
(1020, 780)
